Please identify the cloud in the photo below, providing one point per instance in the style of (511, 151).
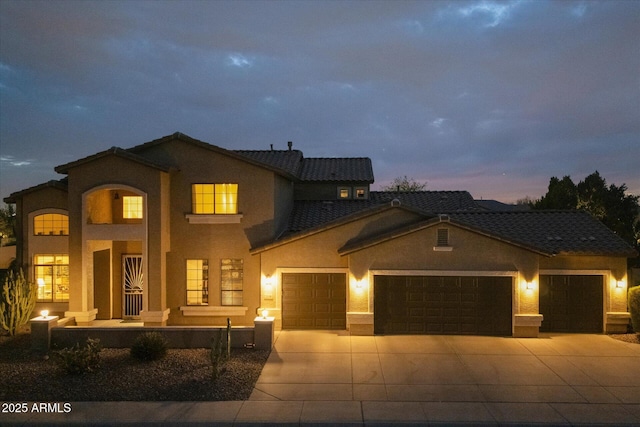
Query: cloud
(433, 89)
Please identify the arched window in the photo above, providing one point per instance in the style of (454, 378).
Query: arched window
(51, 224)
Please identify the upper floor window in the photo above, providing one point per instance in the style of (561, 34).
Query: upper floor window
(51, 272)
(214, 198)
(361, 193)
(344, 192)
(132, 207)
(51, 224)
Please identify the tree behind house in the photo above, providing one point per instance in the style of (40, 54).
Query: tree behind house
(405, 184)
(610, 204)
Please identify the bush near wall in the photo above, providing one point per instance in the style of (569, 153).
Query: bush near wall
(634, 307)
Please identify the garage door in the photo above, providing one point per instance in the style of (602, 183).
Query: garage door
(314, 301)
(571, 303)
(442, 305)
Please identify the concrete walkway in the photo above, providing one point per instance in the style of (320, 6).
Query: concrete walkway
(331, 378)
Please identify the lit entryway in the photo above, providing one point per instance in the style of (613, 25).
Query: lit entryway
(133, 285)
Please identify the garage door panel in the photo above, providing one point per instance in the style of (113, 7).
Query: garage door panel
(451, 305)
(314, 301)
(571, 303)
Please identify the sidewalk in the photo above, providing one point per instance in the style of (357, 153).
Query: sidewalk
(331, 378)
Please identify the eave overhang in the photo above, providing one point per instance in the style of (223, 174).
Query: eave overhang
(56, 184)
(113, 151)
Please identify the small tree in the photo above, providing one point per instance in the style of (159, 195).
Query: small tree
(7, 225)
(405, 184)
(17, 301)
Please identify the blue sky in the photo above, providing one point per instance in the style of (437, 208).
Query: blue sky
(489, 97)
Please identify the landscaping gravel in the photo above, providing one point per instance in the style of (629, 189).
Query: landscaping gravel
(182, 375)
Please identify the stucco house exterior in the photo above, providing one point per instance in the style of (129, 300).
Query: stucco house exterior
(177, 231)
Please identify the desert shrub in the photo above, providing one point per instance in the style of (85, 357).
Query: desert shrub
(149, 346)
(219, 353)
(79, 360)
(634, 307)
(17, 301)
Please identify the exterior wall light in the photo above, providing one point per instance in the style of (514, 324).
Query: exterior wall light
(619, 284)
(44, 314)
(529, 286)
(265, 314)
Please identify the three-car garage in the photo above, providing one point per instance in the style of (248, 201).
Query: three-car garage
(445, 304)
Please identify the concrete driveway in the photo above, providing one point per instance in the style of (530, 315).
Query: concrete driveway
(561, 379)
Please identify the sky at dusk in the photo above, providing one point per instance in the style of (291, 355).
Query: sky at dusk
(493, 97)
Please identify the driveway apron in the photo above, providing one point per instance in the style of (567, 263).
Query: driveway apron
(557, 378)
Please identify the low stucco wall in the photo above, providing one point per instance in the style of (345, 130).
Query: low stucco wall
(7, 254)
(178, 337)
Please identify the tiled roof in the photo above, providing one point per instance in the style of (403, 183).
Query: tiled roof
(429, 201)
(61, 185)
(545, 232)
(337, 169)
(287, 160)
(313, 213)
(553, 232)
(115, 151)
(494, 205)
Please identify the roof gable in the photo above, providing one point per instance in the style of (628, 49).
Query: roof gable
(280, 164)
(61, 185)
(341, 218)
(547, 233)
(113, 151)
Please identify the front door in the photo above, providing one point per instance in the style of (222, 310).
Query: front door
(133, 285)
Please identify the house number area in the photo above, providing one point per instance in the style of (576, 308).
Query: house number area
(36, 407)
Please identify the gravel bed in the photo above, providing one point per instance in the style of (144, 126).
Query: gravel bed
(632, 338)
(182, 375)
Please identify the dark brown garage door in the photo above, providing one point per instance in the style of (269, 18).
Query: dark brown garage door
(314, 301)
(571, 303)
(442, 305)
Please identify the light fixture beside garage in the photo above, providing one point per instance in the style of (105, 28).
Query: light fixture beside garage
(529, 286)
(619, 284)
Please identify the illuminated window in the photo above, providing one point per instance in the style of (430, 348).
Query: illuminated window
(51, 273)
(214, 198)
(51, 225)
(132, 207)
(197, 282)
(231, 271)
(344, 193)
(361, 193)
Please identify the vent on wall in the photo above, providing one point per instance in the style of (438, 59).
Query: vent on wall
(443, 237)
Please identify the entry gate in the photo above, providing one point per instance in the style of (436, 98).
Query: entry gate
(133, 285)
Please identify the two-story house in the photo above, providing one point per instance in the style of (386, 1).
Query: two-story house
(177, 231)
